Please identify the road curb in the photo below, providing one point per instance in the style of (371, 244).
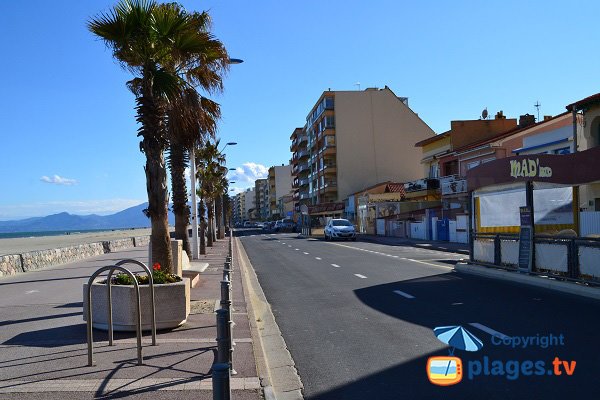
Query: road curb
(543, 282)
(274, 363)
(428, 246)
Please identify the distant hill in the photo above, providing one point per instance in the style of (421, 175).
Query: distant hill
(132, 217)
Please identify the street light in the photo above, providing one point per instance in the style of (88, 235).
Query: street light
(194, 216)
(222, 219)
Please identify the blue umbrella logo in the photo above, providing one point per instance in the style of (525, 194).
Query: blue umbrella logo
(458, 338)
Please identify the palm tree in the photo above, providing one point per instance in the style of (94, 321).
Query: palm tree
(164, 47)
(190, 119)
(210, 171)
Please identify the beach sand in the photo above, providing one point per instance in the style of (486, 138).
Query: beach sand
(23, 245)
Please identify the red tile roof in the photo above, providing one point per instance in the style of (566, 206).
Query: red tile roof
(395, 188)
(432, 139)
(583, 102)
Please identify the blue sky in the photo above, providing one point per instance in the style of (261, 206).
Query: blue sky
(68, 134)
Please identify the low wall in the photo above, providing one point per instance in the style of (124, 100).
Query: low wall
(10, 264)
(13, 264)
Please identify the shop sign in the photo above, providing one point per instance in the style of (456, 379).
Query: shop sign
(527, 168)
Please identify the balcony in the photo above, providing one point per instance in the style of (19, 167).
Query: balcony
(301, 154)
(302, 182)
(453, 184)
(300, 168)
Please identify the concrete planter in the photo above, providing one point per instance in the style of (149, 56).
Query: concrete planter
(172, 302)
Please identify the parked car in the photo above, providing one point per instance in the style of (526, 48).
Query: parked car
(339, 228)
(278, 225)
(287, 225)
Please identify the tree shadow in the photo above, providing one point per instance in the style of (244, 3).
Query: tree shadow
(34, 319)
(450, 299)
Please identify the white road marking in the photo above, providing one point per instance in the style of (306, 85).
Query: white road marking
(360, 276)
(296, 249)
(489, 330)
(289, 245)
(335, 265)
(32, 291)
(428, 263)
(305, 252)
(317, 258)
(404, 294)
(282, 242)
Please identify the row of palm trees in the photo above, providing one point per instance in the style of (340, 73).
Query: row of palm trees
(171, 54)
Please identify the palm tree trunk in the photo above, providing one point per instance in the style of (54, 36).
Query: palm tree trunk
(202, 211)
(219, 213)
(150, 116)
(209, 235)
(214, 221)
(180, 197)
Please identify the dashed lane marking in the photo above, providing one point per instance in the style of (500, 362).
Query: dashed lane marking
(335, 265)
(360, 276)
(318, 258)
(489, 330)
(305, 252)
(404, 294)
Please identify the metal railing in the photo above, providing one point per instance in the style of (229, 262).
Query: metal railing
(569, 258)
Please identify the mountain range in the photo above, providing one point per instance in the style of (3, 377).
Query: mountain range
(132, 217)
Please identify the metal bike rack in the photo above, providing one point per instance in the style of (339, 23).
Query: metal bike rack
(152, 302)
(138, 326)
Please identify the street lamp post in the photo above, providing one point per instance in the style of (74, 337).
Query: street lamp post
(222, 219)
(194, 216)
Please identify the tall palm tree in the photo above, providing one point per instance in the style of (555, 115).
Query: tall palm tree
(210, 169)
(163, 46)
(190, 119)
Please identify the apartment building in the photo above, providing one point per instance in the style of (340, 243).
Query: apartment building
(239, 203)
(261, 189)
(353, 140)
(300, 168)
(280, 184)
(249, 204)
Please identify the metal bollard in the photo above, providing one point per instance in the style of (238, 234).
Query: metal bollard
(225, 294)
(221, 382)
(223, 336)
(227, 274)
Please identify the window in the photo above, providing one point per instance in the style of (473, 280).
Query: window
(434, 170)
(329, 122)
(562, 150)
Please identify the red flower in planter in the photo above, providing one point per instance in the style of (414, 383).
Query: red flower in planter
(156, 267)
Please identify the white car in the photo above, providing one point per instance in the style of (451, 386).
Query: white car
(339, 229)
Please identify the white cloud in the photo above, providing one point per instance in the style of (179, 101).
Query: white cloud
(85, 207)
(58, 180)
(248, 173)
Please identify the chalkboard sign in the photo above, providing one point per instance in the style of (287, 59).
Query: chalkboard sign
(525, 240)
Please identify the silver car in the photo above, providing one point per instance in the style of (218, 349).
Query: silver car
(339, 229)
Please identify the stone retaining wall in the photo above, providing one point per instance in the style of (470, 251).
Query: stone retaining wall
(45, 258)
(140, 241)
(13, 264)
(118, 245)
(10, 264)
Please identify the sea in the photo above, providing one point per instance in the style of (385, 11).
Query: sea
(12, 235)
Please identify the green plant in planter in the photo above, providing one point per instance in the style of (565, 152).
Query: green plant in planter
(158, 275)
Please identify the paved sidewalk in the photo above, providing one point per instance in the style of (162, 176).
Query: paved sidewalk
(460, 248)
(43, 347)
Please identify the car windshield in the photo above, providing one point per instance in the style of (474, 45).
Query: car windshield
(341, 222)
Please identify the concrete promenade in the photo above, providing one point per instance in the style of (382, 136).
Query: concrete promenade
(43, 347)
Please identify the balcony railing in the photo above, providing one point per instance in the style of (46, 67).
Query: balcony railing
(453, 184)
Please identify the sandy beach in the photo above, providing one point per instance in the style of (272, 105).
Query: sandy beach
(23, 245)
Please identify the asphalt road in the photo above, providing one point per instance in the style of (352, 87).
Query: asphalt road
(358, 319)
